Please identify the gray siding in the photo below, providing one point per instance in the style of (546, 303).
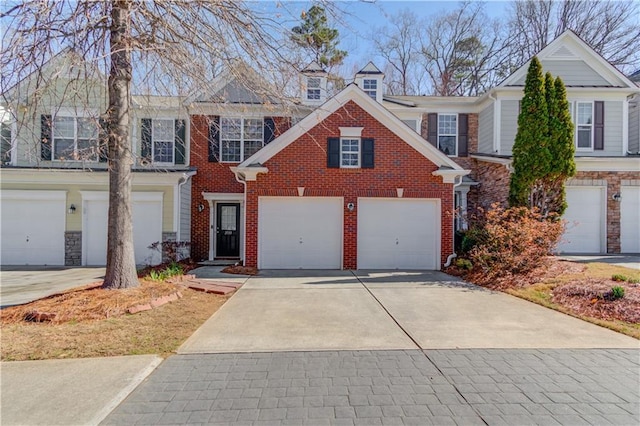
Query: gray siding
(634, 127)
(572, 73)
(185, 211)
(485, 130)
(508, 126)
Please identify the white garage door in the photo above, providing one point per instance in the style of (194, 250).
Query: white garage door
(33, 224)
(299, 233)
(147, 227)
(398, 233)
(585, 220)
(630, 219)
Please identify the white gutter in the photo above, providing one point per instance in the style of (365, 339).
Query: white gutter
(244, 215)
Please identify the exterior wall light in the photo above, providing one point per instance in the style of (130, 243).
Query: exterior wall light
(72, 209)
(200, 207)
(616, 197)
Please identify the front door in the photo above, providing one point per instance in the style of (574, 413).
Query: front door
(227, 230)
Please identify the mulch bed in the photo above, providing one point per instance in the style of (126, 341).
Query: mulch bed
(240, 270)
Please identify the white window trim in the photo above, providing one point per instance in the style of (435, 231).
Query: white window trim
(370, 91)
(173, 143)
(242, 139)
(359, 152)
(592, 125)
(75, 113)
(351, 133)
(316, 89)
(455, 145)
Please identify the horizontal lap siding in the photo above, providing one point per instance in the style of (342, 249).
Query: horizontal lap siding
(303, 164)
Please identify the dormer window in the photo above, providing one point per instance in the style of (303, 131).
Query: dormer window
(370, 87)
(313, 88)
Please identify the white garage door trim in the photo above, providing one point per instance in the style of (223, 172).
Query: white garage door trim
(333, 230)
(57, 226)
(629, 220)
(88, 196)
(370, 249)
(566, 247)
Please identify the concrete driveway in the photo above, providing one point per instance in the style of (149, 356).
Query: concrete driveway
(369, 310)
(23, 284)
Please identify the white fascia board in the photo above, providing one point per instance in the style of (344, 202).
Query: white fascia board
(496, 160)
(604, 164)
(248, 173)
(375, 109)
(82, 177)
(135, 195)
(239, 110)
(449, 176)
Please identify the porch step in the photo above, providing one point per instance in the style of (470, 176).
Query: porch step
(220, 262)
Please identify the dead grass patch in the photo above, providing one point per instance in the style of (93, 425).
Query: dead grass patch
(158, 331)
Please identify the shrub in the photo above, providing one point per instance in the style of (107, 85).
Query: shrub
(464, 264)
(168, 272)
(617, 292)
(619, 277)
(514, 240)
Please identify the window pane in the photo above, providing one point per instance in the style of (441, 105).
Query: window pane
(231, 128)
(87, 149)
(253, 129)
(313, 94)
(350, 152)
(163, 130)
(370, 84)
(313, 83)
(447, 144)
(231, 151)
(63, 149)
(87, 128)
(447, 124)
(584, 137)
(64, 127)
(251, 147)
(228, 218)
(585, 113)
(163, 152)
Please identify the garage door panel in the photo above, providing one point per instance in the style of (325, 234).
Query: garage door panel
(300, 232)
(398, 234)
(630, 219)
(585, 220)
(147, 229)
(33, 231)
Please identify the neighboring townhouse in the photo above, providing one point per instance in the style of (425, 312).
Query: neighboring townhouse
(54, 177)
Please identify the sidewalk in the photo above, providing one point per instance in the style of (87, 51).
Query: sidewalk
(70, 391)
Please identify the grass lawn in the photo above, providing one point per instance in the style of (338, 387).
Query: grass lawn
(105, 329)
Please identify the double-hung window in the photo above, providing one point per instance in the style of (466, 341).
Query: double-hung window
(240, 138)
(75, 138)
(349, 152)
(313, 88)
(584, 125)
(370, 87)
(447, 133)
(163, 137)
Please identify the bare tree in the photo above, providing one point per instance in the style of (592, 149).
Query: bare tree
(464, 51)
(399, 45)
(175, 45)
(609, 27)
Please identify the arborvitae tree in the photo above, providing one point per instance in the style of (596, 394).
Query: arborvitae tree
(561, 146)
(315, 35)
(531, 156)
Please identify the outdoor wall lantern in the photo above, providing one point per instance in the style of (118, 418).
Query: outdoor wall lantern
(200, 207)
(72, 209)
(616, 197)
(350, 207)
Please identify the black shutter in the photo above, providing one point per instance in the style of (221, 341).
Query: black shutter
(145, 139)
(367, 154)
(432, 123)
(333, 153)
(463, 135)
(103, 141)
(180, 145)
(45, 137)
(269, 130)
(598, 125)
(214, 139)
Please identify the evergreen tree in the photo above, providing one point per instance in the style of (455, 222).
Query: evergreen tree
(561, 147)
(531, 156)
(315, 35)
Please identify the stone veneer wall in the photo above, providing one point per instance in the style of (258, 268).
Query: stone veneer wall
(73, 248)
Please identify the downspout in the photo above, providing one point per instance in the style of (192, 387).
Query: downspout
(453, 255)
(244, 217)
(181, 182)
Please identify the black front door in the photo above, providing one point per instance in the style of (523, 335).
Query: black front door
(227, 230)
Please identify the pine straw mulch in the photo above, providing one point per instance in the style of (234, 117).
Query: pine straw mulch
(579, 289)
(240, 270)
(88, 303)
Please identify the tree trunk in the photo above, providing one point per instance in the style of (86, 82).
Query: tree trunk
(121, 265)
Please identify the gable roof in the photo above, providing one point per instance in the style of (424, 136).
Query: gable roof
(353, 93)
(370, 68)
(568, 46)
